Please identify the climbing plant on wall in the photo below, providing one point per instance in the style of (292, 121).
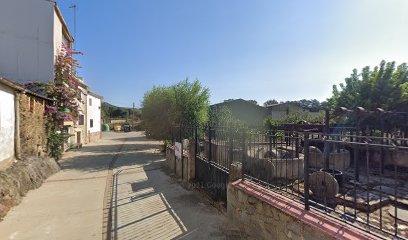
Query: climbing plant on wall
(66, 96)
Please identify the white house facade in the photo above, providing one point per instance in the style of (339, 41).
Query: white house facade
(94, 116)
(31, 35)
(7, 124)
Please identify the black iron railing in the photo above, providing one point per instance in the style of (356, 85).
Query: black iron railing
(357, 178)
(353, 174)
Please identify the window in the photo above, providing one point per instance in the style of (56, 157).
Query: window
(90, 102)
(91, 123)
(81, 120)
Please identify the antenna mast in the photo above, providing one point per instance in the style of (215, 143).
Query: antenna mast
(74, 7)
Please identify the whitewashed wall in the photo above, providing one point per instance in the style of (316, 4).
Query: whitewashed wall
(7, 123)
(26, 40)
(59, 37)
(94, 112)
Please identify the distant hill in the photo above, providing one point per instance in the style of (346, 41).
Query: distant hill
(112, 111)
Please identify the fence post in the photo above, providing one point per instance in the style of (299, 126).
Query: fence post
(306, 171)
(182, 155)
(174, 148)
(297, 144)
(209, 145)
(197, 151)
(357, 153)
(231, 147)
(243, 153)
(270, 139)
(326, 150)
(195, 140)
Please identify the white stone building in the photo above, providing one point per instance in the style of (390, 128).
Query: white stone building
(94, 122)
(31, 35)
(7, 124)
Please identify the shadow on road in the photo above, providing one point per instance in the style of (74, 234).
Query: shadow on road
(147, 203)
(96, 157)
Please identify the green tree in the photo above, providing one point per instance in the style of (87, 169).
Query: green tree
(192, 103)
(385, 86)
(295, 118)
(253, 102)
(270, 102)
(222, 117)
(157, 112)
(312, 105)
(186, 103)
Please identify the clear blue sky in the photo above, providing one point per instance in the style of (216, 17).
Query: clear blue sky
(250, 49)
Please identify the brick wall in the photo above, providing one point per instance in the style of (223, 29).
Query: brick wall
(33, 133)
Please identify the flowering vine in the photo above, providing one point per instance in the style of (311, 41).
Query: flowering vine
(66, 96)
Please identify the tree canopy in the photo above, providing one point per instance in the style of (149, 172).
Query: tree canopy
(186, 103)
(222, 117)
(110, 111)
(270, 102)
(295, 118)
(312, 105)
(385, 86)
(253, 102)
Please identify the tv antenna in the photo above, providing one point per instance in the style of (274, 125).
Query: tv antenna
(74, 7)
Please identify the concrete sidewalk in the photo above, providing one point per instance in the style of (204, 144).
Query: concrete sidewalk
(145, 202)
(148, 204)
(69, 204)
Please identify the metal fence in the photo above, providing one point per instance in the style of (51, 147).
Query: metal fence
(355, 173)
(359, 177)
(214, 154)
(370, 173)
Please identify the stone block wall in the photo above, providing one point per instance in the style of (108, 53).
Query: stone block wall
(94, 137)
(33, 132)
(170, 158)
(183, 168)
(263, 214)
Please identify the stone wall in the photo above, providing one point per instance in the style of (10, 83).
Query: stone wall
(182, 168)
(94, 136)
(33, 132)
(263, 214)
(23, 176)
(170, 158)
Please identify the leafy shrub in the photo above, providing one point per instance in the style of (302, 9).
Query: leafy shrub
(164, 107)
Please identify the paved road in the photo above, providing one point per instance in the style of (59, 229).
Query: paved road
(145, 202)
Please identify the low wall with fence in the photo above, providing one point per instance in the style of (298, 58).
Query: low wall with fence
(342, 177)
(263, 214)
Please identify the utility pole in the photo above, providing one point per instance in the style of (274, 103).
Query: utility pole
(133, 117)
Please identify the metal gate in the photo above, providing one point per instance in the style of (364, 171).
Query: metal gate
(212, 161)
